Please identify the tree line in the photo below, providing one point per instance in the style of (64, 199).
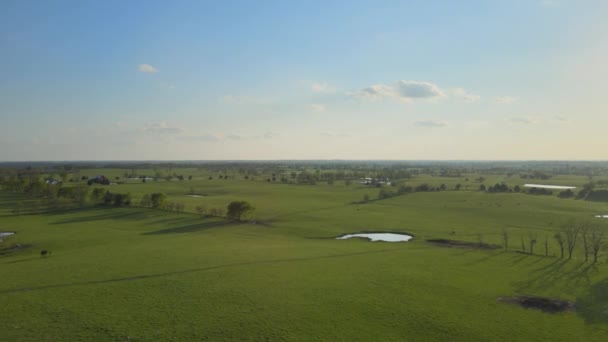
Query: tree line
(586, 234)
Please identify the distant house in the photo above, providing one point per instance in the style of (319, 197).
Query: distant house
(375, 181)
(51, 181)
(100, 179)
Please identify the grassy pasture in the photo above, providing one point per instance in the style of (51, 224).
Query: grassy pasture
(142, 274)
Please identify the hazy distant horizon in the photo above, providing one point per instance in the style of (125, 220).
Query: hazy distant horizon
(185, 161)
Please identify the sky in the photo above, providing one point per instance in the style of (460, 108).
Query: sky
(261, 80)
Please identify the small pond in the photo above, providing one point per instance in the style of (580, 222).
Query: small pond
(3, 234)
(544, 186)
(388, 237)
(601, 216)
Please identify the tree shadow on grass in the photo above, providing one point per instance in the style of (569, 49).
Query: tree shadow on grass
(593, 305)
(107, 214)
(547, 276)
(193, 270)
(110, 213)
(488, 256)
(195, 227)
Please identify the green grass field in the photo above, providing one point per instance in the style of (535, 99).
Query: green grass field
(152, 275)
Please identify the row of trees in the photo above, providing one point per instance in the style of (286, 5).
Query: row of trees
(590, 235)
(236, 210)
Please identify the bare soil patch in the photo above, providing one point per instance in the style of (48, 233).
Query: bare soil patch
(549, 305)
(461, 244)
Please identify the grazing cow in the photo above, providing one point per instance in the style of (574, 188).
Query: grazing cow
(45, 253)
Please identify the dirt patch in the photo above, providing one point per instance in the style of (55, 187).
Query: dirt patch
(549, 305)
(461, 244)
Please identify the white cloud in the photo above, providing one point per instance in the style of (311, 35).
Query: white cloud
(465, 95)
(430, 123)
(405, 91)
(161, 127)
(317, 107)
(322, 87)
(505, 99)
(147, 68)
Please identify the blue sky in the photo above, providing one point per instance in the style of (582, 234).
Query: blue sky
(154, 80)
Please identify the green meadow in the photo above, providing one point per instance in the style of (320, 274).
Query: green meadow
(134, 273)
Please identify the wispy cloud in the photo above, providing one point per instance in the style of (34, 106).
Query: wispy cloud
(527, 120)
(505, 99)
(206, 137)
(147, 68)
(322, 87)
(271, 135)
(330, 134)
(405, 91)
(317, 107)
(431, 123)
(465, 95)
(224, 137)
(161, 127)
(560, 118)
(234, 99)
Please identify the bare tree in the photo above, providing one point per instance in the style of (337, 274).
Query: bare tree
(560, 240)
(571, 231)
(584, 228)
(505, 239)
(532, 239)
(597, 240)
(201, 210)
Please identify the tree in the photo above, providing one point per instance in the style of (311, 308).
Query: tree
(532, 240)
(365, 198)
(482, 187)
(505, 239)
(237, 210)
(571, 232)
(560, 240)
(120, 200)
(158, 200)
(523, 244)
(585, 231)
(546, 246)
(145, 201)
(597, 240)
(458, 186)
(201, 210)
(97, 195)
(79, 194)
